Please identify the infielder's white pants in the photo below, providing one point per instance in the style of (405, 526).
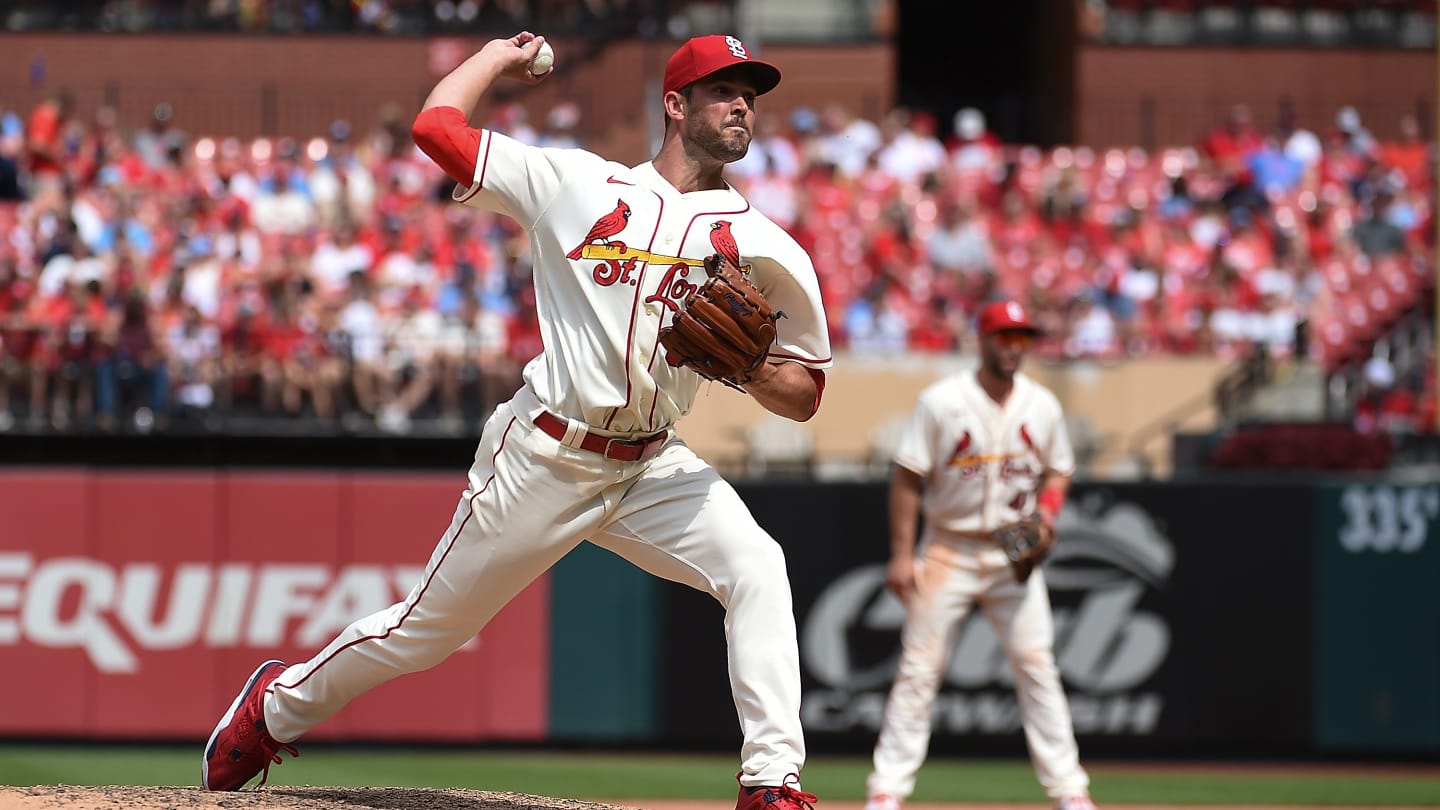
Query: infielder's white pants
(530, 501)
(954, 574)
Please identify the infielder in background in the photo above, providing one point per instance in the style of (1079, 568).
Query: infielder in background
(983, 449)
(586, 450)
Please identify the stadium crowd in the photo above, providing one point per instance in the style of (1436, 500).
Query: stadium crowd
(383, 17)
(154, 277)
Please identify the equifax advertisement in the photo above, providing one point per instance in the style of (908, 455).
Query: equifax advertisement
(133, 604)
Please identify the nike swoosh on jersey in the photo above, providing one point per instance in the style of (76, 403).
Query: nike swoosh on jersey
(611, 179)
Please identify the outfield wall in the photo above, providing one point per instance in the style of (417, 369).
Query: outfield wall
(1217, 618)
(1223, 617)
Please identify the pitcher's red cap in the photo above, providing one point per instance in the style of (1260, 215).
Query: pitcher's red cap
(998, 316)
(702, 56)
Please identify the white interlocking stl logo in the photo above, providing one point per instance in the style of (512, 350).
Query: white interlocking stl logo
(737, 48)
(1108, 647)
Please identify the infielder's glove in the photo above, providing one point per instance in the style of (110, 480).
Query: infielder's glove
(725, 329)
(1026, 543)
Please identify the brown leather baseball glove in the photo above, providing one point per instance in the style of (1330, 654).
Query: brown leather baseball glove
(726, 327)
(1026, 543)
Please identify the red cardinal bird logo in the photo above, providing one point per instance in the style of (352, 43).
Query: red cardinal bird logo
(724, 242)
(960, 447)
(604, 228)
(1031, 448)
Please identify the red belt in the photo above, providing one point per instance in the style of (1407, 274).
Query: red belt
(617, 449)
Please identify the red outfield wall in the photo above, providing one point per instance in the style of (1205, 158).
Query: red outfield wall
(133, 604)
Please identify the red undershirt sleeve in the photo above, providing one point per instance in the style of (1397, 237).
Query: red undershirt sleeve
(819, 377)
(444, 134)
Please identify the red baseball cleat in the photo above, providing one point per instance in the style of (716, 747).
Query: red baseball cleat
(240, 747)
(770, 797)
(883, 801)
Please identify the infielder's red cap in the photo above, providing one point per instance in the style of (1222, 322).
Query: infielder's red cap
(702, 56)
(998, 316)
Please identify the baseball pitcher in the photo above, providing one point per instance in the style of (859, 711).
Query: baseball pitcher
(650, 281)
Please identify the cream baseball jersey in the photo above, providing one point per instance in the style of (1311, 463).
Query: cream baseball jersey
(616, 251)
(982, 462)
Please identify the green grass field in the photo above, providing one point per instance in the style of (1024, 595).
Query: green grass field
(614, 777)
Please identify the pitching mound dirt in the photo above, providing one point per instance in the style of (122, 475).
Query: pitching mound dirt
(277, 798)
(69, 797)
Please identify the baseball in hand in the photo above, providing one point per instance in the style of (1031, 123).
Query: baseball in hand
(544, 59)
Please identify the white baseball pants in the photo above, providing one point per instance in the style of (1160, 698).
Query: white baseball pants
(530, 501)
(954, 574)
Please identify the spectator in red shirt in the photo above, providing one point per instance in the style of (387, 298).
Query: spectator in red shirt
(91, 152)
(1230, 143)
(75, 319)
(1319, 241)
(284, 378)
(22, 366)
(321, 357)
(45, 149)
(1385, 406)
(241, 355)
(937, 329)
(1410, 154)
(1018, 228)
(1345, 162)
(1427, 417)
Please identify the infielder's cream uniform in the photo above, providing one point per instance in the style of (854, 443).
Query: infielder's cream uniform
(981, 464)
(536, 492)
